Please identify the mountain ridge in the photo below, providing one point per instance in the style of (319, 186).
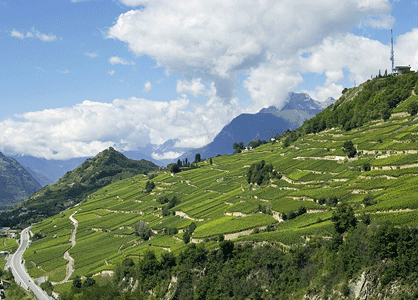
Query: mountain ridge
(16, 183)
(106, 167)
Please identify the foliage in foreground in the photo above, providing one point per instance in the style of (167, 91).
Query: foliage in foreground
(246, 271)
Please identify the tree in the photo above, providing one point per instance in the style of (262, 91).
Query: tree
(186, 237)
(173, 168)
(179, 163)
(77, 282)
(88, 282)
(366, 166)
(143, 231)
(149, 186)
(344, 218)
(413, 108)
(238, 147)
(349, 149)
(197, 158)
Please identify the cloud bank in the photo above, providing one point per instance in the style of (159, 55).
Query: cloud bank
(218, 40)
(127, 124)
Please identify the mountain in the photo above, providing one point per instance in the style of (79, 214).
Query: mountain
(16, 183)
(265, 124)
(49, 170)
(309, 220)
(244, 128)
(106, 167)
(158, 153)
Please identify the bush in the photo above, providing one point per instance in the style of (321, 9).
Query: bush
(149, 186)
(260, 173)
(366, 167)
(368, 200)
(413, 108)
(349, 149)
(143, 231)
(344, 218)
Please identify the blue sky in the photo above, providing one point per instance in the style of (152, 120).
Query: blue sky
(79, 76)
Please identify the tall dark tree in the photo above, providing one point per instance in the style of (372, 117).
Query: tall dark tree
(197, 158)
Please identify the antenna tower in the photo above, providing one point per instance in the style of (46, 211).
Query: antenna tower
(392, 57)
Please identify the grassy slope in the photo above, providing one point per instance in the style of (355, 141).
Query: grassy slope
(220, 201)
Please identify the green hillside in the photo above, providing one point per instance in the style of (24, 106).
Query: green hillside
(106, 167)
(294, 194)
(16, 183)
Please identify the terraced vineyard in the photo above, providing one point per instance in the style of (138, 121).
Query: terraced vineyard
(217, 197)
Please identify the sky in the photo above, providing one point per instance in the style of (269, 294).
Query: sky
(79, 76)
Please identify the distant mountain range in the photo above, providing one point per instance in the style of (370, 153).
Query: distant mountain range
(263, 125)
(244, 128)
(16, 183)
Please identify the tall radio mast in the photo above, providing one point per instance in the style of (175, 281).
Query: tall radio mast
(392, 57)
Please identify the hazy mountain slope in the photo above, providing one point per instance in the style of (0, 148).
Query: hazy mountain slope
(244, 128)
(106, 167)
(43, 181)
(52, 170)
(16, 183)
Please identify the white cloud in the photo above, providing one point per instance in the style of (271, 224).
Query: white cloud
(166, 155)
(217, 40)
(194, 86)
(118, 60)
(111, 72)
(379, 21)
(360, 57)
(63, 71)
(89, 127)
(147, 87)
(17, 34)
(322, 93)
(91, 54)
(34, 34)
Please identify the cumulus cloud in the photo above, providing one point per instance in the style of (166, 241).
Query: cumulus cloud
(89, 127)
(217, 40)
(194, 86)
(91, 54)
(33, 33)
(111, 72)
(147, 87)
(379, 21)
(114, 60)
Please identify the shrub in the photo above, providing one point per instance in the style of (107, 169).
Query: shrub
(413, 108)
(149, 186)
(366, 166)
(143, 231)
(349, 149)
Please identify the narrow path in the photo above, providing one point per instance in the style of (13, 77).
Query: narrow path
(67, 256)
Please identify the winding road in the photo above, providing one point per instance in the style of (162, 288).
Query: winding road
(67, 256)
(15, 263)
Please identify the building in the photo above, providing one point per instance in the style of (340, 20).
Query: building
(400, 70)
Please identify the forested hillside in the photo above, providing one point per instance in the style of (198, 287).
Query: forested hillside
(329, 214)
(106, 167)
